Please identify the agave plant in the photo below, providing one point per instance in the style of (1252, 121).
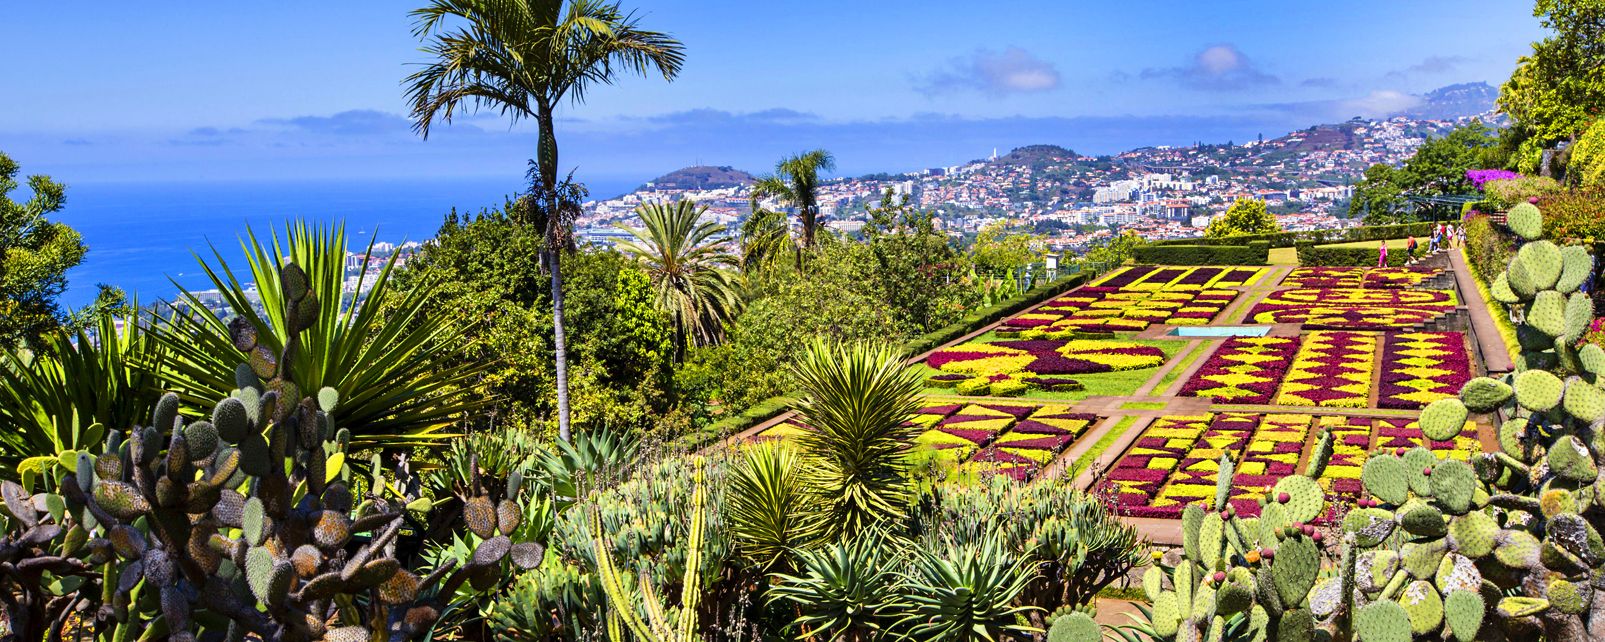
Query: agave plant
(843, 591)
(858, 398)
(382, 349)
(59, 398)
(966, 592)
(769, 506)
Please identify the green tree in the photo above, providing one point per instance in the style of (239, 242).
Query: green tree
(1557, 90)
(795, 183)
(1246, 216)
(998, 250)
(35, 254)
(1439, 166)
(1378, 197)
(685, 258)
(913, 268)
(524, 58)
(487, 267)
(765, 240)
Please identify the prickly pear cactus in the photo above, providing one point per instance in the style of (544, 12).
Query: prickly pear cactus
(1248, 578)
(247, 523)
(1507, 545)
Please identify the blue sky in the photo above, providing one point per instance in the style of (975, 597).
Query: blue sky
(299, 89)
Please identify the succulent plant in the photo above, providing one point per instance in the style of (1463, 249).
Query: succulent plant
(249, 521)
(49, 561)
(1508, 543)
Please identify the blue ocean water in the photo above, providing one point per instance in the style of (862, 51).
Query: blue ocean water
(141, 234)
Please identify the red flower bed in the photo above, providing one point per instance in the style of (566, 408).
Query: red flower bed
(1419, 368)
(1243, 370)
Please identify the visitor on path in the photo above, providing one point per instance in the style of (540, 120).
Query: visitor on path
(1432, 244)
(1382, 254)
(1410, 251)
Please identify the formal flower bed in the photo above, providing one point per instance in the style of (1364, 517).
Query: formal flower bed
(1109, 309)
(1013, 366)
(1272, 453)
(1358, 277)
(1138, 476)
(1331, 369)
(1353, 308)
(1016, 440)
(1241, 276)
(1419, 368)
(1149, 277)
(1351, 445)
(1243, 370)
(1406, 433)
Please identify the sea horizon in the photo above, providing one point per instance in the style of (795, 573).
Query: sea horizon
(144, 236)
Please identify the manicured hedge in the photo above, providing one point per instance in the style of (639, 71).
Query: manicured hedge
(757, 414)
(1316, 255)
(1254, 253)
(1315, 237)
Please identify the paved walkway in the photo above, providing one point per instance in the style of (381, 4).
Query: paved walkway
(1490, 344)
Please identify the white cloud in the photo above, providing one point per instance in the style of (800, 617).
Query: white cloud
(1011, 71)
(1220, 67)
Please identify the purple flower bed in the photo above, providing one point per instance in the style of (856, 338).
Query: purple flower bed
(977, 436)
(1126, 278)
(1199, 276)
(1480, 177)
(1050, 362)
(1396, 360)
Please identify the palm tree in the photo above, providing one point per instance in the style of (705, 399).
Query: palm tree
(523, 58)
(765, 240)
(796, 183)
(689, 267)
(858, 399)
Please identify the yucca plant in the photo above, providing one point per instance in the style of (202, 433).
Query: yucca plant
(384, 350)
(59, 398)
(857, 398)
(965, 593)
(843, 591)
(769, 506)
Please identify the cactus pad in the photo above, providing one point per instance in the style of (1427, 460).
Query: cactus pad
(1294, 569)
(1485, 394)
(1382, 621)
(1370, 526)
(1457, 573)
(1463, 612)
(1473, 534)
(1166, 615)
(120, 499)
(1579, 312)
(269, 578)
(1584, 401)
(1453, 485)
(1423, 606)
(1538, 390)
(1501, 291)
(1443, 419)
(1547, 313)
(253, 522)
(165, 413)
(331, 530)
(1525, 220)
(1543, 262)
(1569, 458)
(1418, 463)
(1420, 559)
(480, 516)
(1422, 519)
(1387, 477)
(231, 420)
(1075, 627)
(1306, 500)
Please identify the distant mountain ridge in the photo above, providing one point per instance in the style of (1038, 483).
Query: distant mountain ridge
(1456, 101)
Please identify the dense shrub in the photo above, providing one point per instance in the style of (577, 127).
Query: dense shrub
(1315, 237)
(1326, 255)
(1587, 168)
(1254, 253)
(1487, 248)
(1574, 215)
(1500, 195)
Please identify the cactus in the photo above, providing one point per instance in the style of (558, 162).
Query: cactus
(1507, 544)
(247, 520)
(660, 623)
(1075, 627)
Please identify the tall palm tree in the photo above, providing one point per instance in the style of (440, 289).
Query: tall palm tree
(523, 58)
(690, 269)
(765, 239)
(796, 183)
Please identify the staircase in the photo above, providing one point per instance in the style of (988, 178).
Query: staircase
(1443, 281)
(1437, 260)
(1457, 320)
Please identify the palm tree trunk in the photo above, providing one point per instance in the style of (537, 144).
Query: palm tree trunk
(554, 251)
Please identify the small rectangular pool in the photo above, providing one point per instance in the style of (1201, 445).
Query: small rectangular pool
(1220, 331)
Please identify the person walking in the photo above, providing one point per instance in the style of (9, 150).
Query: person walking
(1382, 254)
(1432, 243)
(1410, 251)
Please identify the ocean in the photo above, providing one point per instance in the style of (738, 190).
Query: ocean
(140, 235)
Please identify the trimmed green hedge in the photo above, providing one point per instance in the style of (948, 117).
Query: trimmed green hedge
(1315, 237)
(1315, 255)
(757, 414)
(1254, 253)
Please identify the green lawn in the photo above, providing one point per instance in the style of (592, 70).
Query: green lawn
(1117, 384)
(1181, 366)
(1144, 405)
(1284, 256)
(1097, 449)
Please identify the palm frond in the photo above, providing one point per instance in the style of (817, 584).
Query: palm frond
(692, 274)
